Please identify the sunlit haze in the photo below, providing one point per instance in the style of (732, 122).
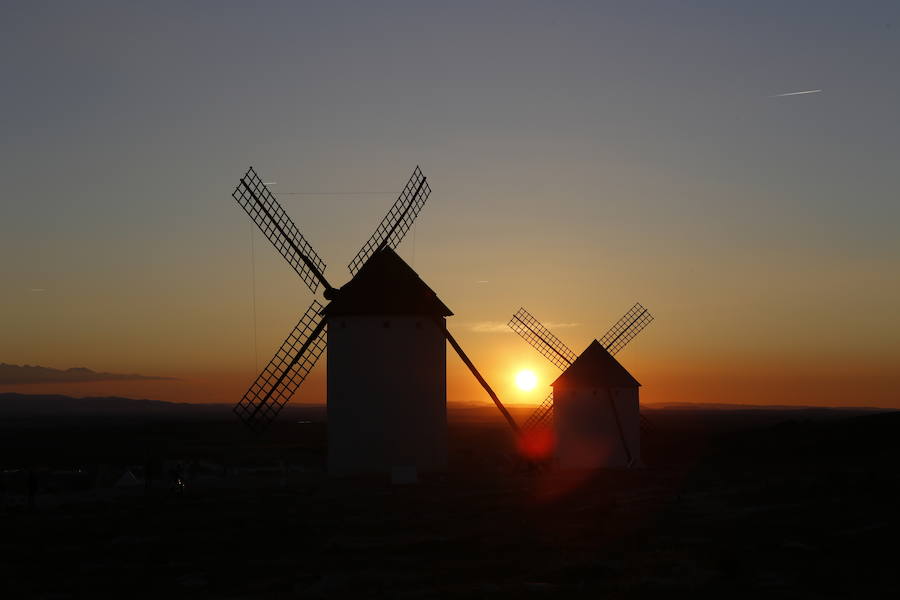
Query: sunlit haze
(526, 380)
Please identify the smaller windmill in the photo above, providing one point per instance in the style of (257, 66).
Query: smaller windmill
(594, 403)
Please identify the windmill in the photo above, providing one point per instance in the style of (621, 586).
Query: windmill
(386, 332)
(584, 424)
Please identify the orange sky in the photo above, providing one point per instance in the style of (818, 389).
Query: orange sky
(741, 381)
(728, 328)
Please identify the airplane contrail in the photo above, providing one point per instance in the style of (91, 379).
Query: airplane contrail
(796, 93)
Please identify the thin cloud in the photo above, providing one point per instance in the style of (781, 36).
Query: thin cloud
(795, 93)
(37, 290)
(23, 374)
(560, 325)
(490, 327)
(503, 327)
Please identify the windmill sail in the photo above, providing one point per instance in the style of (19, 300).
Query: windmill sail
(540, 414)
(285, 372)
(542, 339)
(397, 221)
(258, 202)
(626, 328)
(468, 362)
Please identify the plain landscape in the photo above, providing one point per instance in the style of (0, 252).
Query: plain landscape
(781, 501)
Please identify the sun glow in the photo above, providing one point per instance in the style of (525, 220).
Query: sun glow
(526, 380)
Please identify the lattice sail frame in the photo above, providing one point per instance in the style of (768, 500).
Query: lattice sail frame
(397, 221)
(542, 339)
(540, 414)
(618, 336)
(280, 378)
(262, 207)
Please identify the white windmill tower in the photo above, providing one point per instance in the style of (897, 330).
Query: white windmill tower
(387, 371)
(595, 403)
(386, 333)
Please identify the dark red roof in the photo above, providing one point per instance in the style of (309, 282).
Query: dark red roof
(596, 368)
(386, 285)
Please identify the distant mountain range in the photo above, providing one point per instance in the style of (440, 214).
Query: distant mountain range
(733, 407)
(58, 405)
(55, 405)
(37, 405)
(22, 374)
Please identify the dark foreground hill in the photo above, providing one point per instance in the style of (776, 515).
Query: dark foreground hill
(732, 503)
(47, 409)
(29, 405)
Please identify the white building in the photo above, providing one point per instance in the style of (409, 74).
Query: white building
(596, 413)
(387, 372)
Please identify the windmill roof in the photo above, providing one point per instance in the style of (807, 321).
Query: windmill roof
(594, 368)
(386, 285)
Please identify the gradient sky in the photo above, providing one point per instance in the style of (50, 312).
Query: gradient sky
(583, 156)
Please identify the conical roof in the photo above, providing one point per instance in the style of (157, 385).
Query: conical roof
(386, 285)
(596, 368)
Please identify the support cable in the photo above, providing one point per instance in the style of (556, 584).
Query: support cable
(253, 297)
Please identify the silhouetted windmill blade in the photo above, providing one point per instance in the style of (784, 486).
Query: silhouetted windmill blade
(397, 221)
(552, 348)
(285, 372)
(542, 339)
(540, 414)
(474, 370)
(258, 202)
(626, 328)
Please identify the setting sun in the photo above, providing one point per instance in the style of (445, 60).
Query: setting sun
(526, 380)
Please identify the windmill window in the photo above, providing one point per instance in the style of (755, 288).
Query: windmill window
(418, 324)
(343, 324)
(386, 324)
